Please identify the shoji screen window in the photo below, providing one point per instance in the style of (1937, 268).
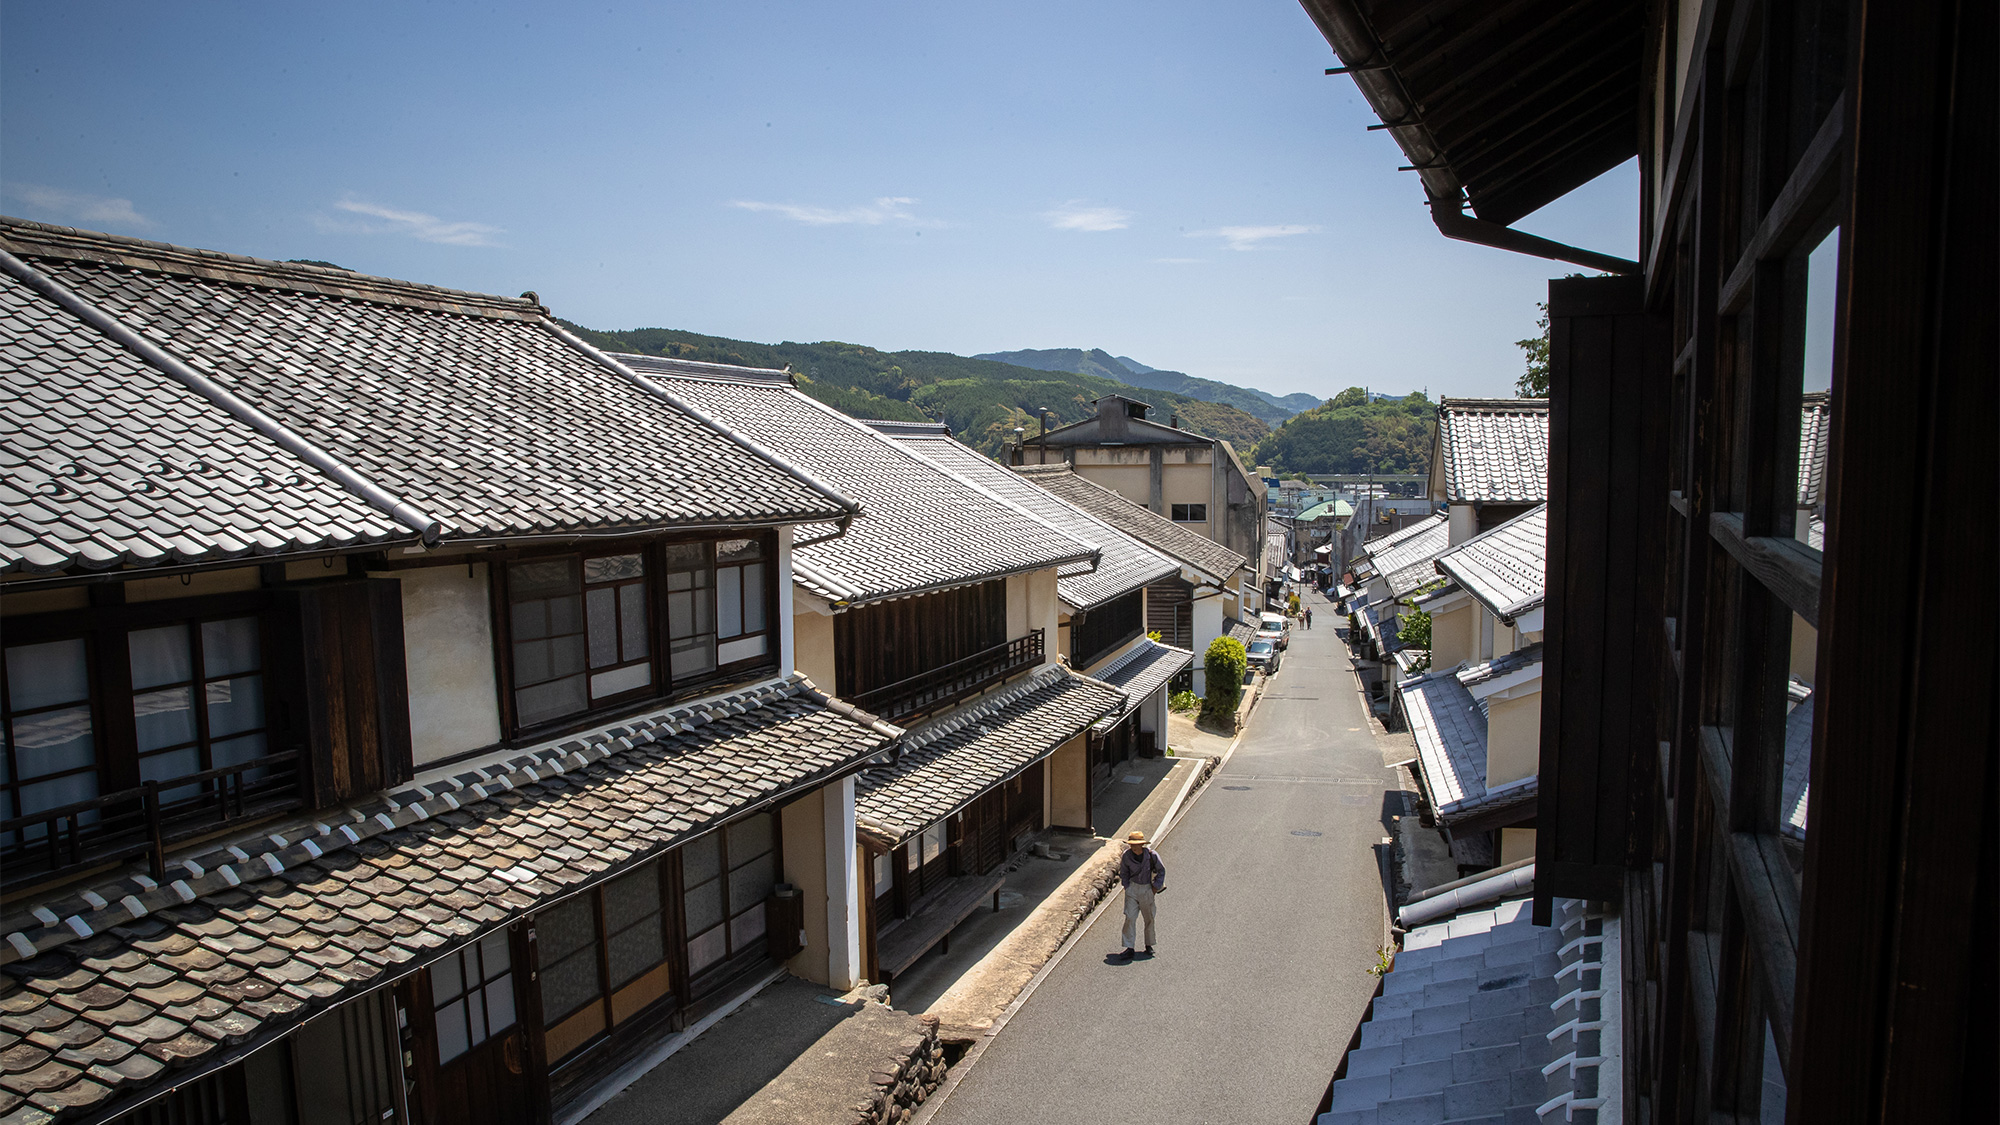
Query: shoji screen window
(50, 757)
(740, 596)
(727, 876)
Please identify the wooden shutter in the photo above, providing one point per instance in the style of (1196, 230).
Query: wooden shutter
(352, 687)
(1607, 504)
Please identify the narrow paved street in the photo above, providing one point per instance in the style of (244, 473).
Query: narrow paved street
(1272, 915)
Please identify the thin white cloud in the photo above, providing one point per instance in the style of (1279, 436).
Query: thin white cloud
(76, 206)
(1178, 261)
(887, 209)
(377, 219)
(1075, 216)
(1247, 238)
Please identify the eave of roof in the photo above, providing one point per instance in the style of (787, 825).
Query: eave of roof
(241, 945)
(1139, 672)
(1504, 567)
(1493, 450)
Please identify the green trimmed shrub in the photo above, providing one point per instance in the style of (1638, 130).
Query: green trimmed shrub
(1225, 663)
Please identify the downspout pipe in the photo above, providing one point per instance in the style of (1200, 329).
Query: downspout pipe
(1455, 223)
(401, 510)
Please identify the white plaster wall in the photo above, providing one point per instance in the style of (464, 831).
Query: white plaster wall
(787, 643)
(805, 867)
(1513, 738)
(1207, 625)
(1516, 843)
(1044, 612)
(1453, 634)
(1464, 524)
(812, 649)
(448, 645)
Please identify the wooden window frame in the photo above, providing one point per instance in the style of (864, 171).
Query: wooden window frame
(665, 687)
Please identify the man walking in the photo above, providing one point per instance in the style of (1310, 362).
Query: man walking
(1143, 876)
(1309, 618)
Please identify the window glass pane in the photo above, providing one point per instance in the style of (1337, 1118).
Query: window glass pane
(164, 718)
(229, 646)
(692, 657)
(607, 684)
(569, 984)
(885, 875)
(702, 906)
(611, 568)
(160, 656)
(752, 883)
(57, 793)
(447, 978)
(564, 929)
(236, 751)
(500, 1004)
(631, 897)
(738, 550)
(565, 616)
(933, 842)
(475, 1015)
(687, 556)
(753, 598)
(235, 705)
(47, 674)
(636, 950)
(746, 928)
(706, 949)
(168, 765)
(54, 742)
(451, 1031)
(542, 578)
(743, 648)
(701, 859)
(494, 956)
(549, 701)
(729, 601)
(603, 617)
(749, 838)
(632, 622)
(530, 620)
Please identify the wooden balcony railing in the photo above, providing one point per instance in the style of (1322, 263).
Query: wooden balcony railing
(124, 825)
(948, 683)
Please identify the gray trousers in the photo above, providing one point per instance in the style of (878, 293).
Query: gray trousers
(1139, 900)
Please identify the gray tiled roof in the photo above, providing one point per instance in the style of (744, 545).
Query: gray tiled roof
(1474, 1017)
(479, 412)
(133, 983)
(1405, 558)
(946, 765)
(899, 429)
(1494, 449)
(1191, 548)
(1450, 731)
(1504, 567)
(922, 527)
(1815, 432)
(1240, 629)
(1126, 565)
(1472, 675)
(105, 461)
(1139, 672)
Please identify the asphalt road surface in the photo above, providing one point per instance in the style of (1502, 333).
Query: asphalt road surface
(1272, 915)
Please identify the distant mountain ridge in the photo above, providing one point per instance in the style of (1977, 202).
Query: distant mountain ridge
(983, 401)
(1271, 408)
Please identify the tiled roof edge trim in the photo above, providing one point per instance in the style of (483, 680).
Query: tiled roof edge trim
(847, 504)
(706, 369)
(401, 510)
(73, 244)
(1447, 567)
(897, 428)
(985, 706)
(93, 910)
(1496, 405)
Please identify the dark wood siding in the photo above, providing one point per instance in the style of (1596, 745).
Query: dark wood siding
(1170, 611)
(355, 688)
(1104, 629)
(882, 644)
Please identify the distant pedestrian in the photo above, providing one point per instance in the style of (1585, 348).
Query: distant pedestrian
(1143, 876)
(1309, 618)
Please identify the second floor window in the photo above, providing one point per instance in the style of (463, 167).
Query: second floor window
(588, 631)
(1190, 513)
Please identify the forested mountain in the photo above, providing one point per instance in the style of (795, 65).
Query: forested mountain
(1353, 435)
(980, 399)
(1096, 361)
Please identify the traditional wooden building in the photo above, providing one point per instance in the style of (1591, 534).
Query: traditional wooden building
(400, 708)
(1758, 963)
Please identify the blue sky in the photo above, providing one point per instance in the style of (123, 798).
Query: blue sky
(1173, 181)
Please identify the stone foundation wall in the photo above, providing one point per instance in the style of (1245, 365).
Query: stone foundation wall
(904, 1079)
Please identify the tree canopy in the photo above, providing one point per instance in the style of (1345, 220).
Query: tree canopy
(1349, 434)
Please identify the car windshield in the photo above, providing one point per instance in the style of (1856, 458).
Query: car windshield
(1260, 647)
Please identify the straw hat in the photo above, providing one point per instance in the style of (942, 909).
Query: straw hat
(1137, 839)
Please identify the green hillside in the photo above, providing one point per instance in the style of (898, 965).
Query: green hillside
(1350, 434)
(980, 399)
(1096, 361)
